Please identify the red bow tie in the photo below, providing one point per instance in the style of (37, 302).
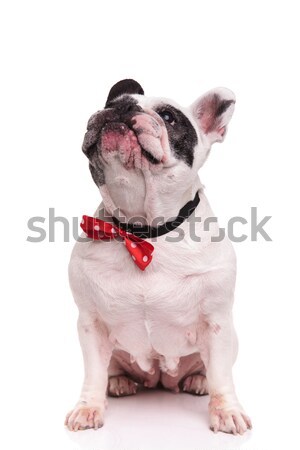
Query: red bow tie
(140, 250)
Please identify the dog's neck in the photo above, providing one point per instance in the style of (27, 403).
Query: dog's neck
(154, 208)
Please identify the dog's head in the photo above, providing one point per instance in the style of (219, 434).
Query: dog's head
(145, 151)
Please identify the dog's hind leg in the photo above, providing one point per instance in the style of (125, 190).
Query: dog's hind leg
(195, 384)
(119, 384)
(190, 376)
(126, 377)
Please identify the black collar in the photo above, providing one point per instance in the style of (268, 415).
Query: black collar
(147, 231)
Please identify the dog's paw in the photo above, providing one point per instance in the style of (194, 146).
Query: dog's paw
(195, 384)
(229, 420)
(83, 417)
(121, 385)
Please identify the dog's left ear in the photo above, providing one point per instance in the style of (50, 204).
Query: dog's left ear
(213, 112)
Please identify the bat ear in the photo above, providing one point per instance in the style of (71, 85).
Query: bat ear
(124, 87)
(213, 112)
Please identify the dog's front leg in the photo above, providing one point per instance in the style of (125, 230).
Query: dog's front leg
(226, 413)
(97, 350)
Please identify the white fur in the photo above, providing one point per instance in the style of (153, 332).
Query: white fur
(182, 302)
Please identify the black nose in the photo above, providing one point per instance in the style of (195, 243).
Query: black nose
(124, 106)
(127, 106)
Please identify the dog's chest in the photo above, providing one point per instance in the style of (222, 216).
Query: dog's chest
(147, 313)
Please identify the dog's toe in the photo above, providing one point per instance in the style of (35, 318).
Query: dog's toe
(121, 385)
(195, 384)
(84, 417)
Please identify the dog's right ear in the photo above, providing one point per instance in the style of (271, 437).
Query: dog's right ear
(124, 87)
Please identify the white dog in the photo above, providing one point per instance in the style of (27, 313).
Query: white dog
(157, 310)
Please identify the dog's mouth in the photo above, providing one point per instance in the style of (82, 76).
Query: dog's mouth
(149, 156)
(135, 144)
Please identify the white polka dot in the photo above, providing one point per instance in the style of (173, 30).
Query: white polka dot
(133, 244)
(145, 258)
(82, 222)
(133, 257)
(96, 228)
(113, 230)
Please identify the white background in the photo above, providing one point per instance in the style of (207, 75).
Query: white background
(59, 60)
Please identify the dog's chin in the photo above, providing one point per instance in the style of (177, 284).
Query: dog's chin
(124, 190)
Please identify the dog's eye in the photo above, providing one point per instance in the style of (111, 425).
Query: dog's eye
(167, 116)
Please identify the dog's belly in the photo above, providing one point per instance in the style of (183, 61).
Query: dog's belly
(121, 363)
(151, 315)
(150, 320)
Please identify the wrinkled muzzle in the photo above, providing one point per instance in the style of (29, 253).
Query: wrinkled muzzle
(137, 143)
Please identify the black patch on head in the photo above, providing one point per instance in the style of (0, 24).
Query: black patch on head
(94, 126)
(89, 146)
(182, 135)
(124, 87)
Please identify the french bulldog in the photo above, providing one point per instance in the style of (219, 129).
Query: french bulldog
(156, 311)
